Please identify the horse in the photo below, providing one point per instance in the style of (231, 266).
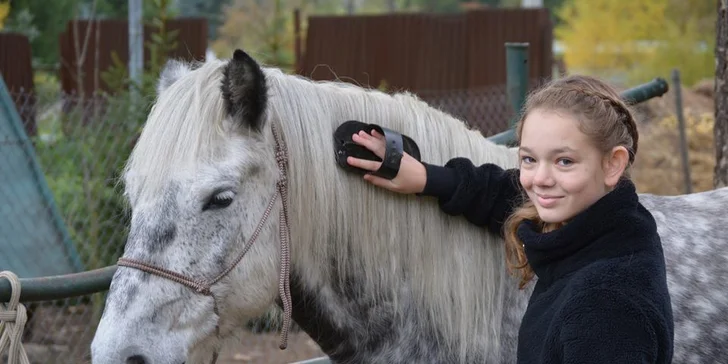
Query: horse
(238, 206)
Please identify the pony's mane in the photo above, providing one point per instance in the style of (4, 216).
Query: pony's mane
(456, 271)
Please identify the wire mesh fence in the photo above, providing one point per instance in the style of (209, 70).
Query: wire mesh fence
(64, 211)
(485, 108)
(80, 147)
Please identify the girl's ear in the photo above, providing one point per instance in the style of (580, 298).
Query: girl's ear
(615, 163)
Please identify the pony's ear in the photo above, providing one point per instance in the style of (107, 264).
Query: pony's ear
(171, 72)
(244, 90)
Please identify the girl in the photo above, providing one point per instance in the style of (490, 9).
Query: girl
(601, 294)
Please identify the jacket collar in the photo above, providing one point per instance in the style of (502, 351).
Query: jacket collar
(606, 229)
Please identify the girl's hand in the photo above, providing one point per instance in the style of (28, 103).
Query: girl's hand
(411, 177)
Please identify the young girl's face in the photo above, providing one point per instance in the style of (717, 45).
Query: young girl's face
(562, 171)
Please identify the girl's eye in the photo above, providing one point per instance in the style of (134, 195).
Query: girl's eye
(526, 159)
(565, 162)
(219, 201)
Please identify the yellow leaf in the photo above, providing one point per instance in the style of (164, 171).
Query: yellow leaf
(637, 39)
(4, 12)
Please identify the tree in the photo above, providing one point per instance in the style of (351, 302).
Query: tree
(210, 9)
(43, 21)
(4, 11)
(265, 27)
(439, 6)
(552, 5)
(638, 39)
(721, 97)
(49, 19)
(262, 28)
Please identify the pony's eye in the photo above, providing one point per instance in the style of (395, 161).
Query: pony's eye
(219, 201)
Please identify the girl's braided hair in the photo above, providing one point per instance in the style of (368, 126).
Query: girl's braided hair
(602, 115)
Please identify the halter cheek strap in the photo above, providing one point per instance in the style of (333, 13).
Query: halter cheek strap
(204, 287)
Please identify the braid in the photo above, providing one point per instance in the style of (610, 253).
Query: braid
(593, 89)
(625, 116)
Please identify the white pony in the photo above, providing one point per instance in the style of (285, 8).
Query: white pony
(234, 159)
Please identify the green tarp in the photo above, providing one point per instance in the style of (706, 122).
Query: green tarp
(33, 238)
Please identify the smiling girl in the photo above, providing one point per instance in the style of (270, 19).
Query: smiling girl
(571, 217)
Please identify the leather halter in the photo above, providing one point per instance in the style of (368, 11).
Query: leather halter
(204, 286)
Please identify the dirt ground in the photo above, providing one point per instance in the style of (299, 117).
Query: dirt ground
(253, 349)
(62, 335)
(696, 100)
(263, 348)
(659, 168)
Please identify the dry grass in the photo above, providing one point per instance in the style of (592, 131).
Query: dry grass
(659, 167)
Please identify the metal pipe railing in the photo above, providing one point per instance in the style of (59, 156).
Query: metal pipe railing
(60, 286)
(633, 96)
(517, 80)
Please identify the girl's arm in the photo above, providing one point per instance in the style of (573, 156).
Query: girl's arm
(485, 195)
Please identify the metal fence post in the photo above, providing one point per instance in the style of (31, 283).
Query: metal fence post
(136, 49)
(516, 76)
(681, 128)
(516, 87)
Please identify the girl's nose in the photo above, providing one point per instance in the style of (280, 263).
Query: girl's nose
(543, 177)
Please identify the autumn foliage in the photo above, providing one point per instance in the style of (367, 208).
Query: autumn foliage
(638, 40)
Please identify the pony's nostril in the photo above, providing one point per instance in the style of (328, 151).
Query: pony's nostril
(136, 359)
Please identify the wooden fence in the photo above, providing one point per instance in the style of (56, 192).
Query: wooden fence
(17, 72)
(454, 61)
(425, 51)
(110, 36)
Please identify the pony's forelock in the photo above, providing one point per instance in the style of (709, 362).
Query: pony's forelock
(184, 129)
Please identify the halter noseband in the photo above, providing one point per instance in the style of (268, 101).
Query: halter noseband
(204, 286)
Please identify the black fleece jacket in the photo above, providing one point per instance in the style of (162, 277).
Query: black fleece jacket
(601, 294)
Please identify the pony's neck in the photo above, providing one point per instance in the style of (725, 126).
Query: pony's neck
(351, 328)
(310, 313)
(411, 271)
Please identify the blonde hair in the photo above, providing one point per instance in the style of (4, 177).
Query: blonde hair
(602, 115)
